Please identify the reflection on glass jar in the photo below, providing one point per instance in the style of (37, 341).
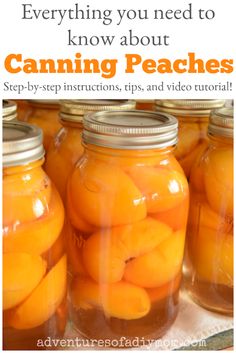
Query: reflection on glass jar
(34, 260)
(44, 114)
(193, 116)
(209, 258)
(66, 148)
(127, 201)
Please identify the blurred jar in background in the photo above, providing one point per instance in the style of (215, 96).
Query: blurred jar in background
(127, 204)
(145, 104)
(193, 117)
(34, 260)
(9, 110)
(66, 148)
(22, 109)
(209, 257)
(44, 114)
(229, 103)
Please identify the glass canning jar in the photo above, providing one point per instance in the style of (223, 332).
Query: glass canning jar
(9, 110)
(44, 114)
(209, 257)
(127, 203)
(193, 117)
(34, 260)
(66, 148)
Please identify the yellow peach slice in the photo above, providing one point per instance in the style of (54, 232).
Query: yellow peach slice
(158, 266)
(120, 300)
(176, 217)
(189, 135)
(106, 252)
(125, 301)
(203, 216)
(163, 189)
(165, 291)
(38, 236)
(75, 218)
(25, 196)
(21, 274)
(212, 255)
(105, 196)
(219, 180)
(43, 301)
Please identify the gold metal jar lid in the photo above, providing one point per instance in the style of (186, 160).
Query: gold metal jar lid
(9, 110)
(22, 143)
(188, 107)
(222, 122)
(130, 130)
(74, 110)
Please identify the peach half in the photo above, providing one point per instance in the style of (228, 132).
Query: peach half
(105, 196)
(158, 266)
(21, 274)
(162, 189)
(202, 215)
(212, 256)
(176, 217)
(105, 253)
(120, 300)
(25, 196)
(75, 218)
(38, 236)
(219, 180)
(43, 301)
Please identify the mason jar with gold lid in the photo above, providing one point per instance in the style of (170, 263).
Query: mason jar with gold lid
(193, 116)
(9, 110)
(66, 148)
(44, 114)
(209, 258)
(34, 260)
(127, 204)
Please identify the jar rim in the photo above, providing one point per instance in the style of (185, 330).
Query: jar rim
(74, 109)
(221, 122)
(22, 143)
(188, 107)
(130, 129)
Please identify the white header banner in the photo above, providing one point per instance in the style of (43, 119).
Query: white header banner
(91, 49)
